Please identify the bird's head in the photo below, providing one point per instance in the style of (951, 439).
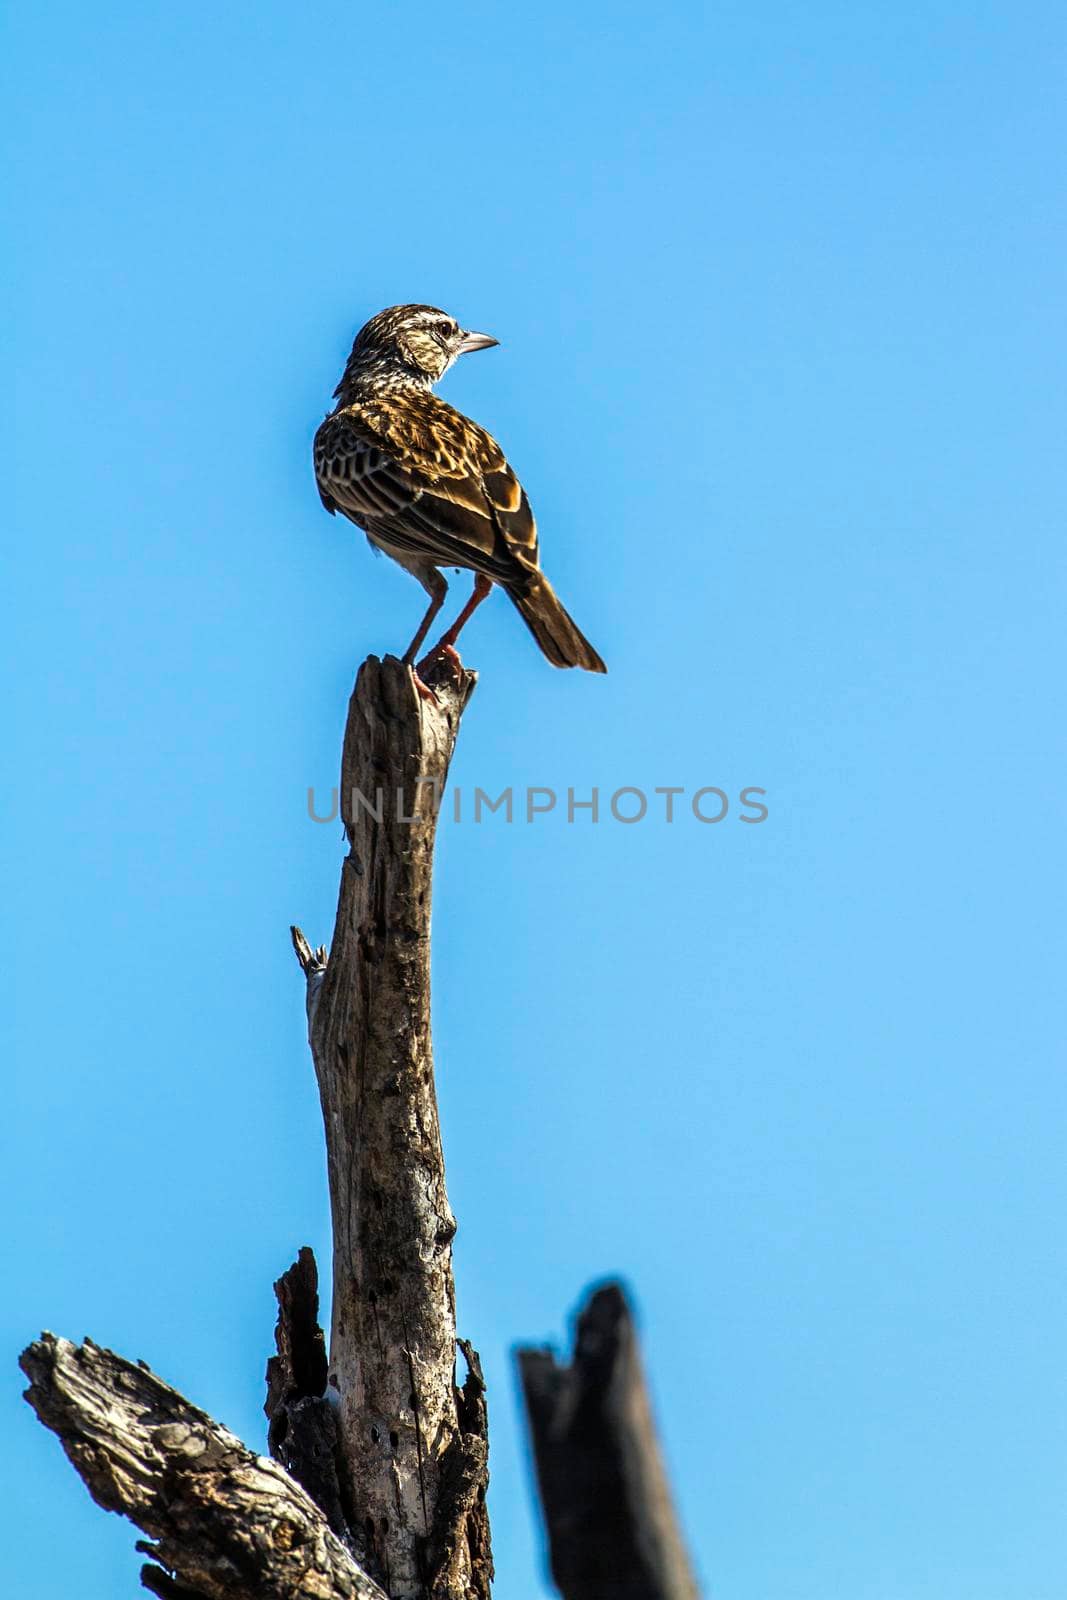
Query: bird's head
(409, 344)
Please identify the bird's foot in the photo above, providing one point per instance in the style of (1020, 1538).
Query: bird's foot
(441, 654)
(423, 690)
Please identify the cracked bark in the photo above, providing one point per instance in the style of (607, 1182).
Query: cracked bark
(612, 1530)
(413, 1446)
(225, 1524)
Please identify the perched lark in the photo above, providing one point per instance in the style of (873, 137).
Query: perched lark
(431, 488)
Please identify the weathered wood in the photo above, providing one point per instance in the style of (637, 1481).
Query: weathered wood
(300, 1368)
(414, 1448)
(302, 1432)
(226, 1524)
(612, 1531)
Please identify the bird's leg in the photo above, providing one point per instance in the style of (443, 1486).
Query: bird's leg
(444, 645)
(436, 587)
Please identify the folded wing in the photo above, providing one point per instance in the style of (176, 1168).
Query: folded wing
(430, 481)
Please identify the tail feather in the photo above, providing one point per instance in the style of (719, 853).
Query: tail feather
(559, 637)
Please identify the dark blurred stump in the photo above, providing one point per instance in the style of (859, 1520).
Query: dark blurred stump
(611, 1526)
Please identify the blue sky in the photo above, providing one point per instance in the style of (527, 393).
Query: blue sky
(780, 299)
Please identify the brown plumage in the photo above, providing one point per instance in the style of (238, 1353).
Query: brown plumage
(430, 487)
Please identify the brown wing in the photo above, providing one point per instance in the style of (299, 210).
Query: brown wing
(428, 480)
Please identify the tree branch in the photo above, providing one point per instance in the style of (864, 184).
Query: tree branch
(414, 1451)
(227, 1524)
(612, 1530)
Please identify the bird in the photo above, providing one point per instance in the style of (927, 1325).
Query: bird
(431, 488)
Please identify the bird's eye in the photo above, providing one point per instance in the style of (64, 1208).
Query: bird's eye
(445, 330)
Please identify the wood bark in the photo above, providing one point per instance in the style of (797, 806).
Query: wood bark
(611, 1526)
(226, 1524)
(413, 1446)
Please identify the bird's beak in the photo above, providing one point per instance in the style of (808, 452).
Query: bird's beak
(476, 341)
